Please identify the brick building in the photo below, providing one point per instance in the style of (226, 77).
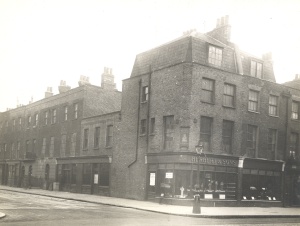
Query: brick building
(41, 140)
(201, 93)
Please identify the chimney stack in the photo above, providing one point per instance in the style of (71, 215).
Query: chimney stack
(63, 87)
(107, 80)
(84, 80)
(222, 32)
(48, 93)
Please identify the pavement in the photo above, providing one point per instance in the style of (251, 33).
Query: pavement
(208, 212)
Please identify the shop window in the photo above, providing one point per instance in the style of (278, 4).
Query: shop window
(51, 149)
(85, 139)
(295, 110)
(215, 55)
(206, 132)
(87, 173)
(208, 90)
(253, 101)
(252, 135)
(109, 135)
(152, 126)
(104, 174)
(97, 137)
(261, 185)
(294, 141)
(229, 95)
(143, 127)
(256, 69)
(227, 136)
(273, 105)
(168, 132)
(145, 94)
(272, 141)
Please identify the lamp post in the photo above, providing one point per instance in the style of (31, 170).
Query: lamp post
(196, 206)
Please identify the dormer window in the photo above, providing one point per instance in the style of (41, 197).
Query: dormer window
(256, 69)
(215, 56)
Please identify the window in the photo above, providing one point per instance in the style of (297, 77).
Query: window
(143, 126)
(63, 145)
(109, 135)
(44, 147)
(294, 145)
(272, 140)
(18, 150)
(46, 117)
(12, 153)
(251, 140)
(20, 123)
(33, 145)
(75, 111)
(36, 119)
(14, 123)
(27, 146)
(208, 87)
(256, 69)
(104, 174)
(168, 132)
(53, 119)
(87, 174)
(295, 110)
(5, 147)
(51, 149)
(229, 95)
(215, 56)
(227, 136)
(273, 105)
(66, 113)
(85, 139)
(253, 101)
(97, 137)
(73, 144)
(29, 121)
(152, 126)
(205, 133)
(145, 94)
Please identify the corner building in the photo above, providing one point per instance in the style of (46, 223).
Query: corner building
(201, 91)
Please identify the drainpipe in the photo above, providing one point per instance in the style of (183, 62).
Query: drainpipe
(138, 124)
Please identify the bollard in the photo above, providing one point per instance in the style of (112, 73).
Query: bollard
(196, 204)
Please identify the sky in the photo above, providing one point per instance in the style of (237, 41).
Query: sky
(45, 41)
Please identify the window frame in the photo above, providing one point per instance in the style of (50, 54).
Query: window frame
(226, 136)
(169, 132)
(53, 116)
(254, 69)
(97, 133)
(66, 113)
(85, 143)
(253, 101)
(295, 110)
(272, 142)
(253, 134)
(208, 91)
(206, 132)
(109, 136)
(145, 94)
(143, 127)
(215, 55)
(228, 95)
(273, 105)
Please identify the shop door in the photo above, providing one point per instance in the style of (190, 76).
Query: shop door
(65, 180)
(95, 179)
(47, 171)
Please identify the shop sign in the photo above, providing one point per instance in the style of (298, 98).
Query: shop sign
(152, 179)
(214, 161)
(169, 175)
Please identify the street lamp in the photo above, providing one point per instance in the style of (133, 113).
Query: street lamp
(196, 206)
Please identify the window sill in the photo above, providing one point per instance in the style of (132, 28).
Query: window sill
(255, 112)
(144, 102)
(142, 135)
(230, 107)
(211, 103)
(274, 116)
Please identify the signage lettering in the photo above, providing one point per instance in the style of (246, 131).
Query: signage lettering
(214, 161)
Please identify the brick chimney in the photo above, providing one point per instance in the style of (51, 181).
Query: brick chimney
(107, 80)
(49, 92)
(63, 87)
(83, 80)
(222, 32)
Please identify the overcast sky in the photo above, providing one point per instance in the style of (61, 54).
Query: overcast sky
(45, 41)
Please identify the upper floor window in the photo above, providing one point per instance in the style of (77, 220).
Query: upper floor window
(229, 95)
(14, 123)
(53, 119)
(272, 140)
(294, 141)
(145, 94)
(29, 121)
(97, 137)
(152, 126)
(66, 113)
(33, 145)
(295, 110)
(46, 117)
(168, 132)
(273, 105)
(252, 136)
(208, 89)
(143, 126)
(27, 146)
(253, 100)
(36, 119)
(20, 123)
(206, 133)
(227, 136)
(75, 111)
(51, 149)
(256, 69)
(215, 56)
(85, 139)
(109, 135)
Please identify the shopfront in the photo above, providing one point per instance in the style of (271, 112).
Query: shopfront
(88, 175)
(292, 182)
(221, 180)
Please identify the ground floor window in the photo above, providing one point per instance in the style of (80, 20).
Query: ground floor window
(104, 174)
(261, 185)
(87, 174)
